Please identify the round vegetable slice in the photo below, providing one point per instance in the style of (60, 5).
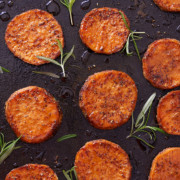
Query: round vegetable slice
(102, 159)
(34, 33)
(168, 113)
(33, 114)
(32, 171)
(108, 99)
(168, 5)
(104, 31)
(161, 63)
(166, 165)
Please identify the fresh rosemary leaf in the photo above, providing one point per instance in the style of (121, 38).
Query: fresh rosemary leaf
(69, 174)
(47, 74)
(6, 148)
(68, 136)
(49, 59)
(64, 57)
(140, 125)
(145, 108)
(2, 69)
(69, 4)
(133, 37)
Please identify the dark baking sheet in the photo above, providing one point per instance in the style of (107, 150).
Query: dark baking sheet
(144, 16)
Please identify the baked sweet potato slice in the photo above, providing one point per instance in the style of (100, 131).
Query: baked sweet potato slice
(108, 99)
(33, 114)
(104, 31)
(32, 172)
(168, 5)
(32, 34)
(161, 63)
(168, 113)
(166, 165)
(102, 159)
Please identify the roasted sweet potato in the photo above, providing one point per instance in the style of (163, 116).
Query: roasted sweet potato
(168, 5)
(104, 31)
(102, 159)
(161, 63)
(168, 113)
(33, 114)
(166, 165)
(108, 99)
(32, 172)
(32, 34)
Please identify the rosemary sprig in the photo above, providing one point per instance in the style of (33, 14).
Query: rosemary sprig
(47, 74)
(69, 5)
(68, 136)
(2, 69)
(140, 125)
(69, 174)
(63, 60)
(7, 148)
(133, 36)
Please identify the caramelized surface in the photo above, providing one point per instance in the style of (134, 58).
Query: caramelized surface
(103, 30)
(32, 34)
(169, 5)
(161, 63)
(166, 165)
(102, 160)
(108, 99)
(33, 113)
(32, 172)
(168, 113)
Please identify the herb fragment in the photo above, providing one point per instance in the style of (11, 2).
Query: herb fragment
(68, 136)
(7, 148)
(2, 69)
(69, 174)
(47, 74)
(69, 5)
(63, 60)
(133, 36)
(141, 123)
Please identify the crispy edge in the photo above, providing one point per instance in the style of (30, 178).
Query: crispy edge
(161, 154)
(81, 104)
(164, 7)
(84, 22)
(19, 56)
(29, 166)
(103, 141)
(159, 110)
(38, 139)
(146, 56)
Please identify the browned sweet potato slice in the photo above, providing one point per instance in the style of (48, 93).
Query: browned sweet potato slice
(168, 113)
(104, 31)
(108, 99)
(161, 63)
(33, 113)
(169, 5)
(102, 159)
(32, 172)
(32, 34)
(166, 165)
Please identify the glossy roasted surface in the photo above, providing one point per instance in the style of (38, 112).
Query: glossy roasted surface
(108, 99)
(32, 172)
(33, 114)
(161, 63)
(166, 165)
(168, 113)
(103, 30)
(169, 5)
(102, 159)
(32, 34)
